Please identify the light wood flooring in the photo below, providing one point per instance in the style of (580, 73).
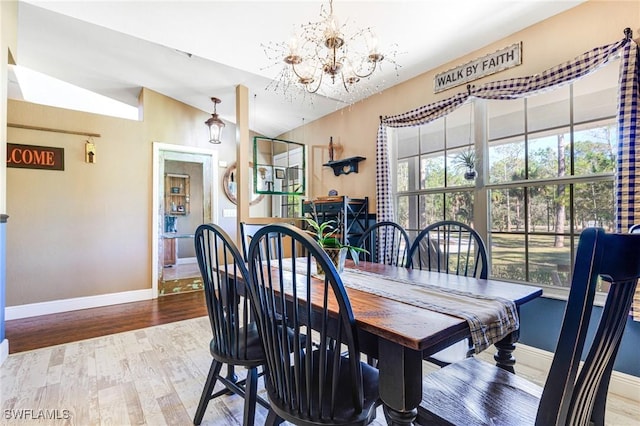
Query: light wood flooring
(181, 270)
(149, 376)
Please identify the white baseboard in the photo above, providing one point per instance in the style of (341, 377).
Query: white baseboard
(623, 385)
(65, 305)
(4, 351)
(186, 260)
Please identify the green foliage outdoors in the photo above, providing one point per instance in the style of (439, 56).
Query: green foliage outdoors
(535, 206)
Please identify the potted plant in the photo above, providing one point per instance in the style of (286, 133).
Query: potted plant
(325, 235)
(467, 160)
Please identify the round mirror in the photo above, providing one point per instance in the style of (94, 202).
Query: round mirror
(230, 187)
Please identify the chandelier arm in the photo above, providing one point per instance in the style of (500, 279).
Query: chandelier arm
(306, 86)
(293, 67)
(373, 69)
(344, 82)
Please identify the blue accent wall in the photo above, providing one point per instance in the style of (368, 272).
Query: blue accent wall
(540, 322)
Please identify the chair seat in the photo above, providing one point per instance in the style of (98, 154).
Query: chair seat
(474, 392)
(344, 404)
(249, 345)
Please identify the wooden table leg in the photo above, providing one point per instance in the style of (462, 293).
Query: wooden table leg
(504, 357)
(400, 382)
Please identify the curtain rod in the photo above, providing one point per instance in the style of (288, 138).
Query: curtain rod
(49, 129)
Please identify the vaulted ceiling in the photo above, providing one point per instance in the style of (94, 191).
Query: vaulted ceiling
(192, 50)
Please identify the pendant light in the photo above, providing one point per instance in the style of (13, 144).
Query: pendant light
(215, 124)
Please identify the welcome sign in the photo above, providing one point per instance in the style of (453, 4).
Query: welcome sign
(501, 60)
(35, 157)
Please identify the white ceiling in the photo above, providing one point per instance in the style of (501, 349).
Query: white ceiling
(116, 47)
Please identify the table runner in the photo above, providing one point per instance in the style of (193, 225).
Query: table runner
(490, 318)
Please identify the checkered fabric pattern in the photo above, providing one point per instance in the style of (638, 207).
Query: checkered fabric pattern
(553, 77)
(627, 192)
(384, 205)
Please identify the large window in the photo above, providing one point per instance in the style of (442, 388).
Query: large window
(548, 173)
(430, 182)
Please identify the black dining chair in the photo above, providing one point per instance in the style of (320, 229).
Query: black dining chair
(451, 247)
(454, 248)
(308, 380)
(386, 242)
(474, 392)
(235, 341)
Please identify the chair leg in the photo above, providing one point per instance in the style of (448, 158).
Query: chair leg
(231, 376)
(214, 371)
(251, 391)
(273, 419)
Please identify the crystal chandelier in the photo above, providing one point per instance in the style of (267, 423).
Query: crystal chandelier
(323, 52)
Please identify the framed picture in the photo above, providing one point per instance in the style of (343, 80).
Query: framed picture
(279, 173)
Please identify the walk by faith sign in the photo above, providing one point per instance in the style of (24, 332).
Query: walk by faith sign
(501, 60)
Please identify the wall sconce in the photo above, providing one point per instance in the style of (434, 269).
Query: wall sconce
(215, 124)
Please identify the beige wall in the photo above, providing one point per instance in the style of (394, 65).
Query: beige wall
(86, 230)
(58, 216)
(545, 45)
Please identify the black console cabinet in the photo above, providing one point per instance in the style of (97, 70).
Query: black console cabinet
(351, 215)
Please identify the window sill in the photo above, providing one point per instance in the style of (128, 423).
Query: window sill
(561, 293)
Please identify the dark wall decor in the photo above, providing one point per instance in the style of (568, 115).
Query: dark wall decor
(35, 157)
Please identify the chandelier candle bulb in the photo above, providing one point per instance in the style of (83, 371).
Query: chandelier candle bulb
(293, 46)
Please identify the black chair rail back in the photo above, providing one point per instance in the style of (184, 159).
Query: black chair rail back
(308, 380)
(616, 259)
(451, 247)
(386, 242)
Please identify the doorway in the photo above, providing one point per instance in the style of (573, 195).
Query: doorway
(184, 187)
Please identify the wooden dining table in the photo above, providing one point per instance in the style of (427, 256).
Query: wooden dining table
(400, 333)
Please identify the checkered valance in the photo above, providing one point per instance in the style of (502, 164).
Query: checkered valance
(526, 86)
(627, 193)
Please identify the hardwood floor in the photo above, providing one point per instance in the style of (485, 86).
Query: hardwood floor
(48, 330)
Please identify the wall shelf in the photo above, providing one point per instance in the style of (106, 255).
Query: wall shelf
(176, 194)
(344, 166)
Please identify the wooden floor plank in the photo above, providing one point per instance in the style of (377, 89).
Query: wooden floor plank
(48, 330)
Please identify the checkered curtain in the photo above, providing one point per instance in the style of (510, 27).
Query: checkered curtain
(627, 194)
